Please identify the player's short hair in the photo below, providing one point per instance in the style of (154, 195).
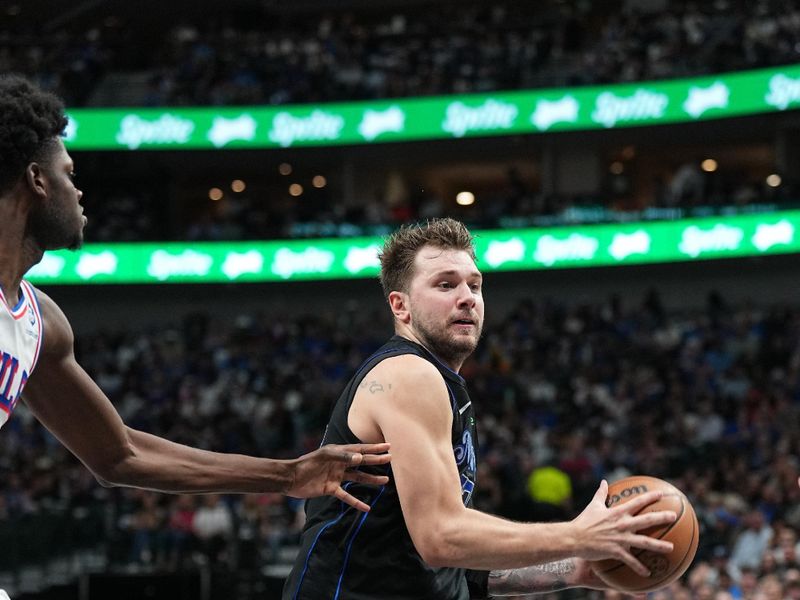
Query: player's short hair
(401, 247)
(31, 120)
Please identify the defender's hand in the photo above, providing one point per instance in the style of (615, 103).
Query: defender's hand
(321, 473)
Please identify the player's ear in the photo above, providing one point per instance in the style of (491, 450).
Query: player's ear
(35, 179)
(398, 302)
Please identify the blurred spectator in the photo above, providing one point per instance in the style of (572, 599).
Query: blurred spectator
(752, 542)
(213, 527)
(179, 534)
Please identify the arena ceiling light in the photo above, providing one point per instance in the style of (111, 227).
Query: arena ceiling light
(709, 165)
(465, 198)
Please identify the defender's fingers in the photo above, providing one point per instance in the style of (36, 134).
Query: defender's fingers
(372, 448)
(367, 478)
(351, 500)
(360, 454)
(375, 459)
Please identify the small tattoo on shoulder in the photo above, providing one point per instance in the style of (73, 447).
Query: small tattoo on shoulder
(374, 386)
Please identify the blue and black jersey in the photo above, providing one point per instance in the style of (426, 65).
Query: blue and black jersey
(349, 555)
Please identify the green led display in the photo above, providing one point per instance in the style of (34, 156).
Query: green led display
(521, 249)
(442, 117)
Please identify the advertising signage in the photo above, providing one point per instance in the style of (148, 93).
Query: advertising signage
(441, 117)
(497, 250)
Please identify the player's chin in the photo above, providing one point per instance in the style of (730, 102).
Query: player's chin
(465, 342)
(76, 242)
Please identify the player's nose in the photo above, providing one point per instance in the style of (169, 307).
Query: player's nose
(465, 296)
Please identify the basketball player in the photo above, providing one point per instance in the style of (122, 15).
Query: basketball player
(421, 538)
(39, 211)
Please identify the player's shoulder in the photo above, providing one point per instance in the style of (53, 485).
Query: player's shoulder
(408, 365)
(410, 384)
(57, 329)
(47, 305)
(408, 371)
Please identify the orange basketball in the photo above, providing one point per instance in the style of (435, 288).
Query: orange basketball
(684, 534)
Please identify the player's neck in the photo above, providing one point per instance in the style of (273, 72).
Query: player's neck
(18, 251)
(408, 332)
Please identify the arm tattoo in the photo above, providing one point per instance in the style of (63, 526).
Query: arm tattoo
(373, 386)
(549, 577)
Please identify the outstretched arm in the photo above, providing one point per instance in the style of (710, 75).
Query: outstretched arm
(66, 400)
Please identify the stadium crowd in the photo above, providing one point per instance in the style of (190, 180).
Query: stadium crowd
(257, 55)
(567, 395)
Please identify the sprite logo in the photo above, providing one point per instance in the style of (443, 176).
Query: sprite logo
(237, 264)
(611, 109)
(358, 259)
(783, 91)
(167, 129)
(224, 131)
(547, 113)
(90, 264)
(702, 99)
(319, 125)
(311, 260)
(499, 253)
(623, 245)
(164, 265)
(550, 250)
(767, 236)
(376, 122)
(696, 241)
(49, 267)
(492, 114)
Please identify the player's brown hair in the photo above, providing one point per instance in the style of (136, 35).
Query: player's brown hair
(401, 247)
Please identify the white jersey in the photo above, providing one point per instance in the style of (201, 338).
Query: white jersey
(21, 338)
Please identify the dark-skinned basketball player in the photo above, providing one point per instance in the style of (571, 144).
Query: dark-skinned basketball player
(40, 210)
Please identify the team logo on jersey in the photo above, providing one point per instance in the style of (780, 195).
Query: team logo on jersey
(465, 456)
(12, 381)
(465, 451)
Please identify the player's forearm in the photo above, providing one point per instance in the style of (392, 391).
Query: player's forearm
(549, 577)
(476, 540)
(158, 464)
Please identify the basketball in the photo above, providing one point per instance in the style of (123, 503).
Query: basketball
(683, 533)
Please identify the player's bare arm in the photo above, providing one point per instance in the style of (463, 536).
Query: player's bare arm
(549, 577)
(414, 415)
(66, 400)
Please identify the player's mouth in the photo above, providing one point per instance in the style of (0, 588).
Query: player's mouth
(464, 323)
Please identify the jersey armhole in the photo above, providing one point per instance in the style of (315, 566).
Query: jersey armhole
(37, 312)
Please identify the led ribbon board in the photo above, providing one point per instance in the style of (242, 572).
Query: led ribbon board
(497, 250)
(501, 113)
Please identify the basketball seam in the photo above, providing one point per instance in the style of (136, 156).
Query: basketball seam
(639, 552)
(695, 526)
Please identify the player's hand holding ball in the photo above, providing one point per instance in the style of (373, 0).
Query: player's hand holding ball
(683, 533)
